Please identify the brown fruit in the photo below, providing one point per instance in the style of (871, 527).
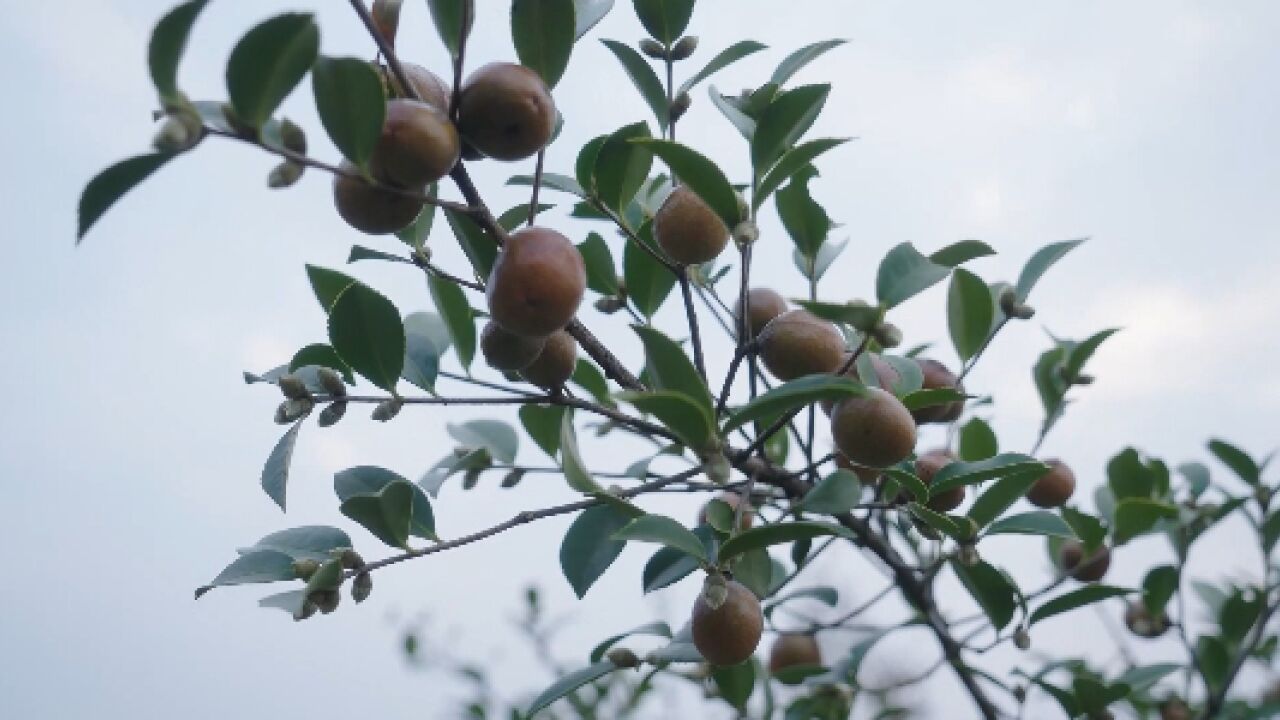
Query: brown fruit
(936, 377)
(794, 650)
(504, 350)
(537, 282)
(732, 499)
(927, 466)
(1174, 709)
(370, 209)
(866, 475)
(554, 365)
(688, 229)
(1055, 488)
(875, 430)
(418, 145)
(886, 376)
(796, 344)
(1071, 559)
(1143, 623)
(505, 111)
(430, 88)
(729, 634)
(766, 304)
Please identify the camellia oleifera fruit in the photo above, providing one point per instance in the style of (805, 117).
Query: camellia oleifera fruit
(429, 87)
(927, 466)
(938, 377)
(796, 343)
(764, 304)
(688, 230)
(727, 634)
(371, 209)
(874, 430)
(1055, 488)
(794, 650)
(1072, 560)
(1142, 623)
(418, 145)
(555, 364)
(504, 350)
(537, 282)
(505, 111)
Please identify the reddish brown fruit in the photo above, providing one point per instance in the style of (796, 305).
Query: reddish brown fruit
(1055, 488)
(729, 634)
(1092, 569)
(937, 377)
(1142, 623)
(418, 145)
(430, 88)
(927, 466)
(794, 650)
(875, 430)
(688, 230)
(537, 282)
(732, 499)
(370, 209)
(766, 304)
(886, 376)
(796, 344)
(504, 350)
(506, 112)
(1174, 709)
(554, 365)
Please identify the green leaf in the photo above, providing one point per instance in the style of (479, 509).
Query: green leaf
(991, 589)
(861, 317)
(351, 103)
(671, 369)
(745, 124)
(602, 277)
(798, 59)
(459, 317)
(904, 273)
(542, 423)
(735, 682)
(275, 474)
(762, 537)
(962, 252)
(255, 566)
(589, 548)
(793, 160)
(978, 441)
(784, 121)
(1136, 516)
(481, 249)
(754, 569)
(1159, 585)
(268, 63)
(1141, 678)
(1038, 522)
(1215, 660)
(553, 181)
(682, 415)
(725, 58)
(1080, 353)
(453, 20)
(805, 221)
(366, 331)
(575, 471)
(495, 436)
(622, 166)
(450, 464)
(360, 252)
(669, 566)
(792, 395)
(1040, 262)
(837, 493)
(568, 684)
(168, 42)
(1001, 496)
(111, 184)
(701, 175)
(543, 32)
(917, 399)
(665, 20)
(1088, 528)
(370, 480)
(309, 542)
(656, 629)
(585, 166)
(328, 285)
(1238, 460)
(1086, 595)
(649, 283)
(969, 312)
(1197, 476)
(664, 531)
(387, 514)
(425, 340)
(645, 80)
(824, 594)
(914, 486)
(959, 474)
(589, 13)
(589, 378)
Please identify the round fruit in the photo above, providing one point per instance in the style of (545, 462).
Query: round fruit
(796, 344)
(1055, 488)
(1174, 709)
(688, 229)
(937, 377)
(505, 111)
(732, 499)
(418, 145)
(794, 650)
(505, 350)
(1071, 559)
(927, 466)
(1142, 623)
(874, 430)
(371, 209)
(537, 282)
(886, 376)
(729, 634)
(430, 88)
(765, 304)
(554, 365)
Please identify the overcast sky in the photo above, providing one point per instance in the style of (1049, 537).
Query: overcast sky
(132, 449)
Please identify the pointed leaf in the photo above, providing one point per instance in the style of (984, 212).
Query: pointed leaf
(111, 184)
(543, 32)
(575, 471)
(1001, 496)
(328, 285)
(645, 80)
(1074, 599)
(459, 317)
(366, 331)
(426, 339)
(969, 313)
(589, 547)
(725, 58)
(622, 166)
(678, 412)
(793, 160)
(168, 42)
(904, 273)
(657, 629)
(648, 282)
(837, 493)
(481, 249)
(255, 566)
(991, 589)
(309, 542)
(670, 368)
(959, 474)
(387, 514)
(268, 63)
(1135, 516)
(588, 14)
(1038, 522)
(786, 532)
(1040, 262)
(368, 479)
(351, 103)
(786, 119)
(665, 20)
(568, 684)
(275, 474)
(1238, 460)
(701, 176)
(798, 59)
(962, 252)
(664, 531)
(453, 20)
(795, 394)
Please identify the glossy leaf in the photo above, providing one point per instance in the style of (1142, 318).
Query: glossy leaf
(917, 399)
(969, 313)
(369, 480)
(275, 474)
(111, 184)
(786, 119)
(956, 527)
(701, 175)
(268, 63)
(458, 317)
(426, 338)
(735, 682)
(552, 181)
(656, 629)
(681, 414)
(805, 221)
(1238, 460)
(589, 547)
(387, 514)
(168, 42)
(1135, 516)
(576, 472)
(497, 437)
(255, 566)
(961, 252)
(904, 273)
(588, 377)
(366, 331)
(622, 166)
(723, 59)
(360, 252)
(793, 160)
(798, 59)
(795, 394)
(1001, 496)
(991, 589)
(649, 283)
(671, 369)
(1158, 586)
(568, 684)
(453, 20)
(588, 14)
(977, 441)
(959, 474)
(763, 537)
(907, 481)
(308, 542)
(1041, 262)
(481, 249)
(665, 20)
(327, 285)
(1074, 599)
(1088, 528)
(861, 317)
(644, 78)
(602, 275)
(351, 103)
(1038, 522)
(664, 531)
(745, 125)
(543, 32)
(543, 423)
(826, 595)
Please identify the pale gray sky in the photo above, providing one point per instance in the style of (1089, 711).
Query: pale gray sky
(132, 449)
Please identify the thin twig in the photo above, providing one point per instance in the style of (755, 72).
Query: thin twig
(537, 185)
(691, 312)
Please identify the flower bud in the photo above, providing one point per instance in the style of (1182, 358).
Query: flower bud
(746, 233)
(284, 175)
(653, 49)
(888, 335)
(308, 609)
(174, 136)
(968, 555)
(293, 388)
(1014, 308)
(351, 559)
(717, 468)
(609, 304)
(293, 137)
(679, 106)
(331, 381)
(684, 47)
(332, 413)
(361, 587)
(623, 658)
(291, 410)
(387, 409)
(326, 600)
(1022, 639)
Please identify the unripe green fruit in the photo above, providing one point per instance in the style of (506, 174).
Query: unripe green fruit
(504, 350)
(506, 112)
(687, 229)
(537, 282)
(1091, 569)
(795, 344)
(1055, 488)
(874, 430)
(764, 304)
(791, 650)
(937, 377)
(555, 364)
(927, 467)
(370, 209)
(418, 145)
(728, 633)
